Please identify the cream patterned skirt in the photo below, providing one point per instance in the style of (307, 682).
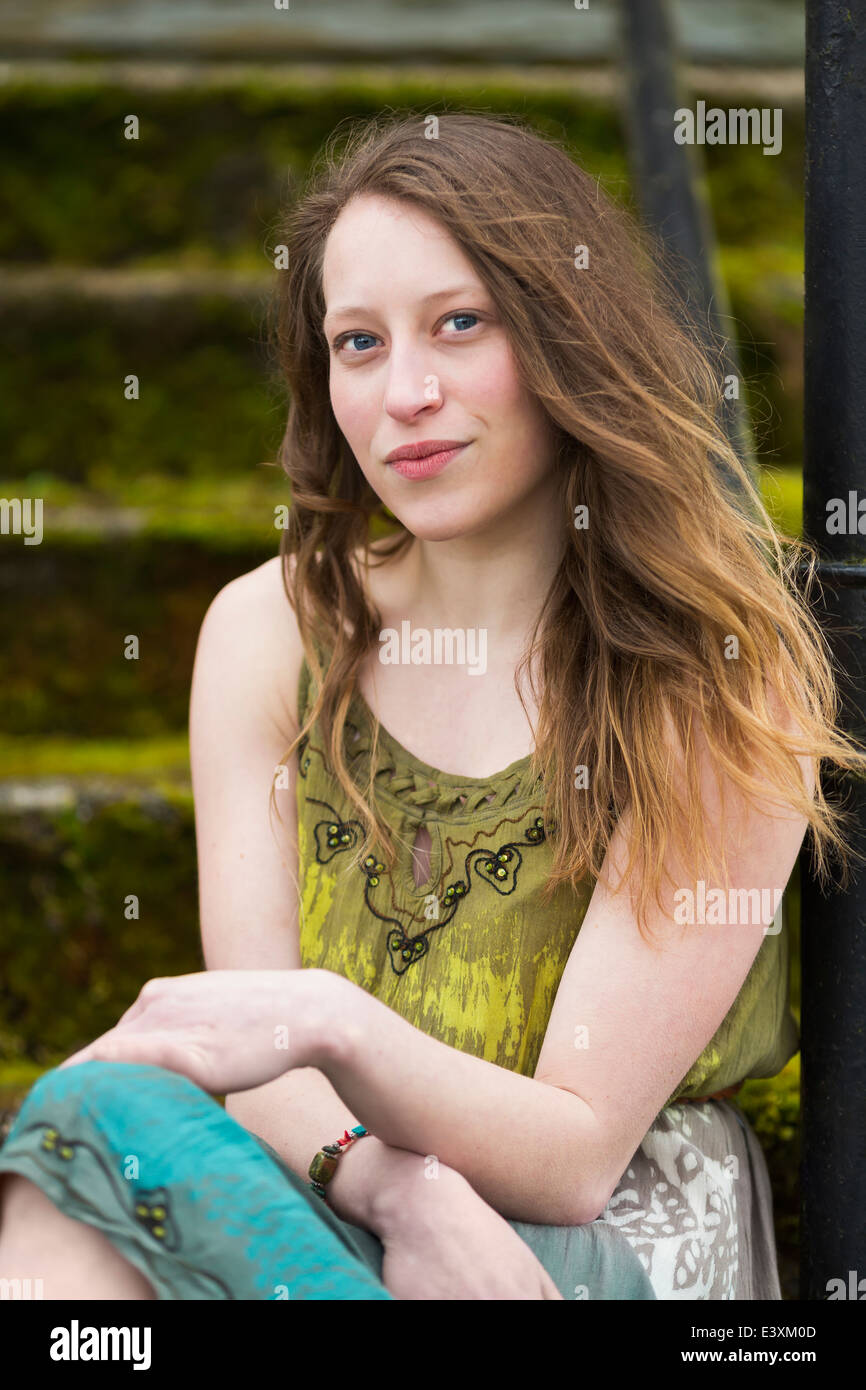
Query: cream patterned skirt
(696, 1206)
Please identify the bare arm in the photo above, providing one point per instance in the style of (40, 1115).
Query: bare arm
(242, 718)
(551, 1148)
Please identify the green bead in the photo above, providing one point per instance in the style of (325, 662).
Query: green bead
(322, 1167)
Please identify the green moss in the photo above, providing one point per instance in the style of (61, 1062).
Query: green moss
(221, 514)
(202, 187)
(210, 166)
(782, 491)
(154, 761)
(772, 1108)
(71, 961)
(206, 406)
(765, 287)
(64, 637)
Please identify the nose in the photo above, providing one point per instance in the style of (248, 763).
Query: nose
(412, 387)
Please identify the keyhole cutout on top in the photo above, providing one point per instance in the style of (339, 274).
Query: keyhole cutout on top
(421, 856)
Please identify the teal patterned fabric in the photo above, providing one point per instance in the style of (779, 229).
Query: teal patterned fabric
(185, 1193)
(206, 1210)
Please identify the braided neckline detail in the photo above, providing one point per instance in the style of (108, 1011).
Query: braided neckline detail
(408, 780)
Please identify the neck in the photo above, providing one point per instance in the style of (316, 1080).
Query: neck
(496, 579)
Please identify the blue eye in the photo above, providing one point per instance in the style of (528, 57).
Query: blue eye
(473, 319)
(455, 317)
(350, 338)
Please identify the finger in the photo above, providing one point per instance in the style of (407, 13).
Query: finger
(154, 1049)
(178, 1052)
(131, 1046)
(84, 1054)
(87, 1054)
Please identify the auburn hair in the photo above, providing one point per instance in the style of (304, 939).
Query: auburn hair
(680, 564)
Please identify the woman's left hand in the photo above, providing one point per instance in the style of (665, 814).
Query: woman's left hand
(227, 1030)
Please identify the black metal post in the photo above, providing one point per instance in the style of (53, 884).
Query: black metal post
(671, 200)
(833, 937)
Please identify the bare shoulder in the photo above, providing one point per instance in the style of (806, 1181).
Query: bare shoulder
(249, 643)
(249, 653)
(257, 595)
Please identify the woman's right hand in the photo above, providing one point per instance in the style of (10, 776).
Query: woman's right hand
(442, 1241)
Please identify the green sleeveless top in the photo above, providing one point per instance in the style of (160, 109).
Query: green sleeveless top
(471, 956)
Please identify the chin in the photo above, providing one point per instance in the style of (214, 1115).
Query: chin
(441, 521)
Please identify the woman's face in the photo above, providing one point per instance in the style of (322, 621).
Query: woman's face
(418, 355)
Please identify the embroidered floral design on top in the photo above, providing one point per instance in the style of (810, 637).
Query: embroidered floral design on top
(333, 836)
(497, 868)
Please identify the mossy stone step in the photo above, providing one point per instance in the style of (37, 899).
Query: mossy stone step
(67, 613)
(204, 181)
(205, 402)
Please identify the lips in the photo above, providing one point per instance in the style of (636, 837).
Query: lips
(423, 449)
(428, 465)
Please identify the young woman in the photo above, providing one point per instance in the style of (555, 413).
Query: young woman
(540, 710)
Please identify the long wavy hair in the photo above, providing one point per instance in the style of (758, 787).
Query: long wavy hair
(634, 637)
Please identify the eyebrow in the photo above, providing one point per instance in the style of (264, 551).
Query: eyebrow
(342, 310)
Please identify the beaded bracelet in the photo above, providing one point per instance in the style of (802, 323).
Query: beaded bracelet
(324, 1165)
